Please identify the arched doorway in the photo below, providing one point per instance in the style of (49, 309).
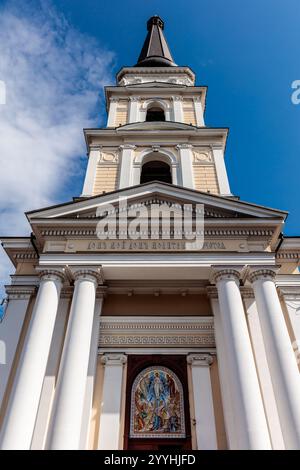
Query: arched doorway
(156, 170)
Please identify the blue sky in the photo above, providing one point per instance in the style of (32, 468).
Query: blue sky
(246, 52)
(56, 56)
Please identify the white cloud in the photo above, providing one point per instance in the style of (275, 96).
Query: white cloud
(53, 76)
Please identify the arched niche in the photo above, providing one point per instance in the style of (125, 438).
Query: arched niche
(159, 107)
(169, 163)
(156, 170)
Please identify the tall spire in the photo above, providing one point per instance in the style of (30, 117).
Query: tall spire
(155, 51)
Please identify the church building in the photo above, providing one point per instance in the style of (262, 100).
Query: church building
(148, 340)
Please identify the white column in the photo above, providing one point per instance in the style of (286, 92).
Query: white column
(91, 376)
(203, 401)
(221, 171)
(126, 165)
(280, 355)
(263, 370)
(111, 120)
(225, 384)
(109, 432)
(65, 426)
(134, 114)
(186, 160)
(90, 174)
(18, 426)
(199, 111)
(11, 327)
(177, 108)
(249, 415)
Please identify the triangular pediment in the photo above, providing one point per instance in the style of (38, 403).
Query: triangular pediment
(215, 207)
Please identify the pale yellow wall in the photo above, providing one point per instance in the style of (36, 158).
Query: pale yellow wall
(121, 113)
(205, 178)
(106, 178)
(189, 116)
(289, 268)
(218, 407)
(173, 305)
(26, 268)
(96, 407)
(192, 408)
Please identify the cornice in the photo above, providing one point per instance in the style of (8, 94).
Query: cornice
(17, 292)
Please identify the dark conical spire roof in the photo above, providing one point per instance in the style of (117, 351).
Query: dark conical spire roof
(155, 51)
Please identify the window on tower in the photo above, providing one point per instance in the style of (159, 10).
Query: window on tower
(155, 114)
(156, 170)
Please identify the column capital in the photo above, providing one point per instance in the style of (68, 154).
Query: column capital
(177, 98)
(200, 360)
(51, 274)
(87, 272)
(197, 99)
(219, 273)
(134, 98)
(262, 272)
(127, 147)
(114, 100)
(113, 359)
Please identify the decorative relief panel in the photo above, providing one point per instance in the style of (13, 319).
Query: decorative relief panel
(108, 157)
(202, 156)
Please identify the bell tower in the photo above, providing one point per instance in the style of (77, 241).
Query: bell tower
(155, 128)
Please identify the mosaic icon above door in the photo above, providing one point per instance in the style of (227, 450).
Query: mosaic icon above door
(157, 407)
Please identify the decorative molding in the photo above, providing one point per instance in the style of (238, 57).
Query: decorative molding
(20, 292)
(108, 158)
(202, 360)
(200, 157)
(51, 274)
(184, 146)
(225, 274)
(127, 147)
(257, 273)
(89, 273)
(212, 292)
(25, 256)
(215, 232)
(291, 293)
(166, 340)
(246, 293)
(110, 359)
(156, 332)
(288, 255)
